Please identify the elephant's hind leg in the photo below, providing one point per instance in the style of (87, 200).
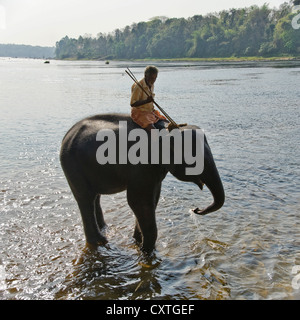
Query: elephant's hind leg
(90, 224)
(98, 212)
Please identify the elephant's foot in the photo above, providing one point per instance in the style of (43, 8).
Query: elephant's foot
(147, 249)
(146, 246)
(97, 241)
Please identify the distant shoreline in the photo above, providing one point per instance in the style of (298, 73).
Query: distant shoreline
(224, 59)
(228, 59)
(26, 51)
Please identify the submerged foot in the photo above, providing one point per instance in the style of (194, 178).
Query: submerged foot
(100, 241)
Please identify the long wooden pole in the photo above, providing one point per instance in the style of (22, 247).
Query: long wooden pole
(131, 75)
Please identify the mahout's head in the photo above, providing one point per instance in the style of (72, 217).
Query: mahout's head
(151, 73)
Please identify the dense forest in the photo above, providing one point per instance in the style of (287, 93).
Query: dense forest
(252, 31)
(25, 51)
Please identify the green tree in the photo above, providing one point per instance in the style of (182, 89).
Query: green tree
(66, 48)
(286, 38)
(235, 32)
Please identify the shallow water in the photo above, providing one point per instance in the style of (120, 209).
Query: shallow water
(246, 250)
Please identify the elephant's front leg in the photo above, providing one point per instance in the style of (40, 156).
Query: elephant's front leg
(137, 233)
(143, 205)
(148, 229)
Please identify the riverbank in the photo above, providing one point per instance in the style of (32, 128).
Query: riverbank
(224, 59)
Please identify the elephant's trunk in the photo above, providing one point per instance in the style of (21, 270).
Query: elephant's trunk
(212, 180)
(219, 199)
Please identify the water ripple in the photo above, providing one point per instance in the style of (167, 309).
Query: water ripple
(244, 251)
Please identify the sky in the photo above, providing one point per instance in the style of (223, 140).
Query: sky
(43, 22)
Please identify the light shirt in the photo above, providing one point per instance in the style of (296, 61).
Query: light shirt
(137, 94)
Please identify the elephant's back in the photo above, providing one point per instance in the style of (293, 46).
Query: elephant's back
(90, 126)
(98, 122)
(83, 133)
(107, 121)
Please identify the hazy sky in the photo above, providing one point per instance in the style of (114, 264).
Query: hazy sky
(41, 22)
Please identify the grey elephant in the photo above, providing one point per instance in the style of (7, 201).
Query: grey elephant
(88, 179)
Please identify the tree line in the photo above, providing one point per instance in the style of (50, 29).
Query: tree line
(252, 31)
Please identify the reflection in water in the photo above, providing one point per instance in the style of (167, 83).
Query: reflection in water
(111, 273)
(108, 273)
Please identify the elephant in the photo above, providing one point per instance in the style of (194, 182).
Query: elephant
(88, 179)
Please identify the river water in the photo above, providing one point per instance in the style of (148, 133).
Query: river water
(250, 249)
